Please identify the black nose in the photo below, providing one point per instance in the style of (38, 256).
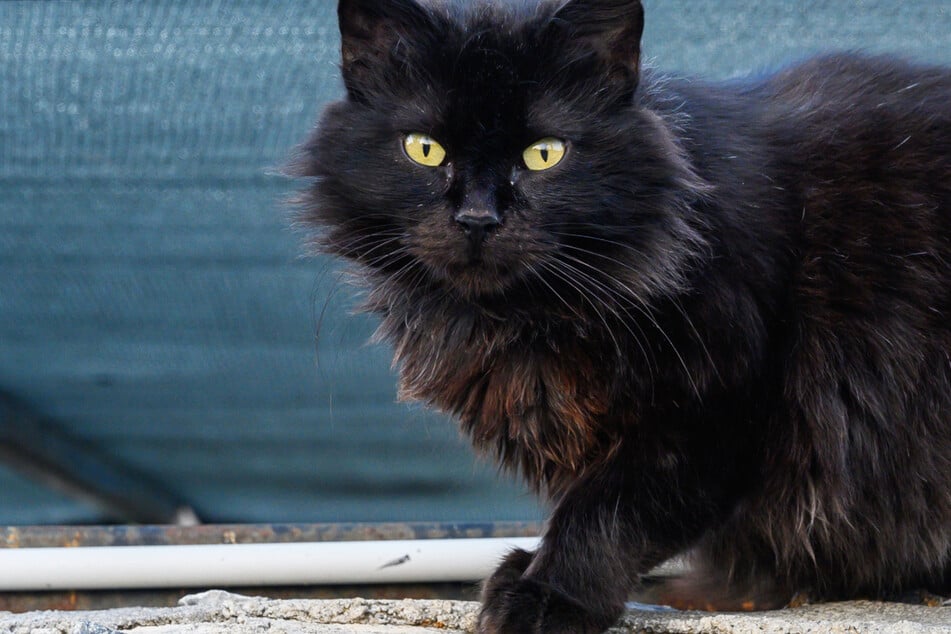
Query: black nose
(477, 224)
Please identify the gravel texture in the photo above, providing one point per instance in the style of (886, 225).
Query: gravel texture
(218, 612)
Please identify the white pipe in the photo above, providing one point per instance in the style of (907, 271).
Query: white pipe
(223, 565)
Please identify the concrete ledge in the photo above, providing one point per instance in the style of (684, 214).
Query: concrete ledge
(218, 612)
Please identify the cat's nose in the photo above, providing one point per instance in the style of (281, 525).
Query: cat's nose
(477, 224)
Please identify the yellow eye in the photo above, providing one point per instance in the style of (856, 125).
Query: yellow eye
(544, 154)
(423, 149)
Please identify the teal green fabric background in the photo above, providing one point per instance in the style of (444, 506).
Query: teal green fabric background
(153, 297)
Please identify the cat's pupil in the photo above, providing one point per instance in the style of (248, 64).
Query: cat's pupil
(426, 149)
(544, 152)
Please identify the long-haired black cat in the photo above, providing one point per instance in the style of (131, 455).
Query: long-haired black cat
(701, 319)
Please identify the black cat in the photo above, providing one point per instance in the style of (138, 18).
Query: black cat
(699, 318)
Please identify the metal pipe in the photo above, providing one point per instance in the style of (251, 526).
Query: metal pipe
(230, 565)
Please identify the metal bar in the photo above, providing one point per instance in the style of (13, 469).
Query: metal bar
(83, 536)
(41, 449)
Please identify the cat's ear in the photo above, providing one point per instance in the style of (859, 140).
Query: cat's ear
(370, 33)
(611, 28)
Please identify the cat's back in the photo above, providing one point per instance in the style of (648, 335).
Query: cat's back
(851, 155)
(848, 112)
(858, 170)
(861, 80)
(862, 147)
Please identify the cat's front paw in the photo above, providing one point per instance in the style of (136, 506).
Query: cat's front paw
(508, 574)
(524, 605)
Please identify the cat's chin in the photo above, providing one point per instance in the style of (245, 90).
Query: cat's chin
(475, 281)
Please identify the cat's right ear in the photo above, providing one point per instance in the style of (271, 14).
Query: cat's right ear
(610, 28)
(370, 34)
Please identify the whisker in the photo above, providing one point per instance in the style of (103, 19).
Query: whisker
(637, 304)
(675, 303)
(626, 322)
(567, 304)
(627, 247)
(584, 295)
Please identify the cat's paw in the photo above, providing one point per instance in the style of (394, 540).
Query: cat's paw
(512, 604)
(506, 575)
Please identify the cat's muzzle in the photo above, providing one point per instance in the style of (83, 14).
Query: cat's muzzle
(477, 225)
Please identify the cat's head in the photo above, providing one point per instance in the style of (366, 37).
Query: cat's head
(489, 149)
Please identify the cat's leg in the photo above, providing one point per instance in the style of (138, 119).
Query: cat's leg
(607, 530)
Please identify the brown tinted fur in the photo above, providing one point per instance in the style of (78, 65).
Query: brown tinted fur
(539, 412)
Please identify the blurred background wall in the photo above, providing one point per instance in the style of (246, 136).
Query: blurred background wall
(158, 324)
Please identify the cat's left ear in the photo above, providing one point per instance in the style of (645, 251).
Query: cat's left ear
(612, 28)
(370, 34)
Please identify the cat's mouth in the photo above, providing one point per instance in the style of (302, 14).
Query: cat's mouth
(473, 269)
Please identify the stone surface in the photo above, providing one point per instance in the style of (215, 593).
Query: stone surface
(218, 612)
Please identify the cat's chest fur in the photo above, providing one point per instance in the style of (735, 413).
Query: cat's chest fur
(539, 400)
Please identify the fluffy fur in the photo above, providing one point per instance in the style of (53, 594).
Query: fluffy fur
(720, 326)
